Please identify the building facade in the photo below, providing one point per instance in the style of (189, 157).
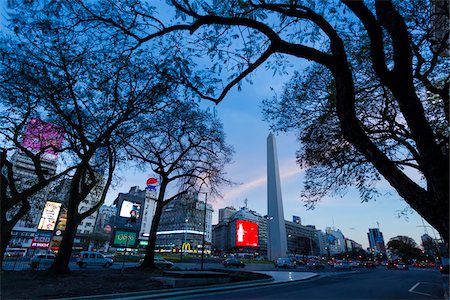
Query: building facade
(181, 225)
(376, 241)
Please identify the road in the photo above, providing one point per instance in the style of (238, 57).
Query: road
(377, 283)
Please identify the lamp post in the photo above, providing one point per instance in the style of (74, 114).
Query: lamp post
(204, 228)
(268, 219)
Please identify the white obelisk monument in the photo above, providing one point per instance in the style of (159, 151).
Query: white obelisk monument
(276, 243)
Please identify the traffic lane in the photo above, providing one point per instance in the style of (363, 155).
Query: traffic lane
(367, 284)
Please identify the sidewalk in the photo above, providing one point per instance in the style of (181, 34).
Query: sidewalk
(278, 277)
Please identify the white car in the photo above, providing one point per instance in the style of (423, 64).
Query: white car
(93, 258)
(284, 262)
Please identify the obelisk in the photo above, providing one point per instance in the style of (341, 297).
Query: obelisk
(276, 242)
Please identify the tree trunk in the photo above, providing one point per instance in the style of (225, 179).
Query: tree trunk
(149, 259)
(5, 239)
(62, 260)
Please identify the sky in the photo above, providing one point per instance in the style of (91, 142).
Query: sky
(241, 115)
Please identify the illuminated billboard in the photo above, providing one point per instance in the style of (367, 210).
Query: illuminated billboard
(49, 216)
(123, 238)
(41, 135)
(41, 240)
(130, 209)
(246, 233)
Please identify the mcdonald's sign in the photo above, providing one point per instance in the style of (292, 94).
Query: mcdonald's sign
(186, 246)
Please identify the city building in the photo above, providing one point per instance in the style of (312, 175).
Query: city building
(226, 213)
(303, 240)
(128, 219)
(376, 241)
(335, 241)
(25, 229)
(181, 226)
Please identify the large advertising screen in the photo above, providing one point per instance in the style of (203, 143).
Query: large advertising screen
(49, 216)
(41, 135)
(246, 233)
(130, 209)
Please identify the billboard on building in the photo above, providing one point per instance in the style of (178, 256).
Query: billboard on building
(41, 135)
(130, 209)
(41, 240)
(246, 233)
(49, 216)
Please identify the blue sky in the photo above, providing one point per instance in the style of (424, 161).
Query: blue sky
(242, 118)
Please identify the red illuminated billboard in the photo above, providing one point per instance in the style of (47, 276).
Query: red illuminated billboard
(246, 233)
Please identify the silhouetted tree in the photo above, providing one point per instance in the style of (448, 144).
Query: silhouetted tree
(185, 146)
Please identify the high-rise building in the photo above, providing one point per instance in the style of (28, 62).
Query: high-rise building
(181, 225)
(376, 240)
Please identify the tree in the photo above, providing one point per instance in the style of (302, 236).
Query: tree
(393, 39)
(87, 85)
(19, 194)
(185, 146)
(405, 247)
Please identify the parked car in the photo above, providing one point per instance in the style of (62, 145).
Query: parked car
(93, 258)
(342, 264)
(284, 262)
(109, 255)
(42, 260)
(160, 262)
(233, 262)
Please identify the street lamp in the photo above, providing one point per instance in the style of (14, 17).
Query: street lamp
(204, 228)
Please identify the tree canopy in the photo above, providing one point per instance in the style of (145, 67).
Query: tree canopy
(404, 247)
(377, 105)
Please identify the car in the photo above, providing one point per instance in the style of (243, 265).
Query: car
(233, 262)
(315, 265)
(444, 269)
(42, 260)
(93, 258)
(342, 264)
(369, 264)
(355, 264)
(284, 262)
(391, 265)
(160, 262)
(401, 266)
(109, 255)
